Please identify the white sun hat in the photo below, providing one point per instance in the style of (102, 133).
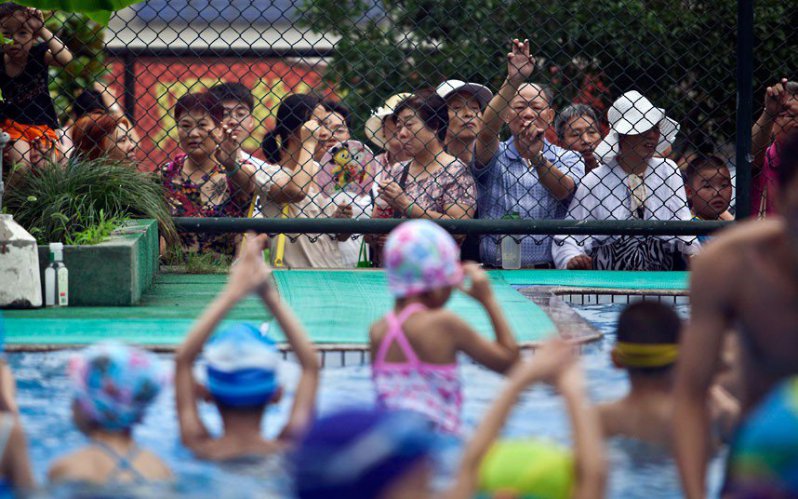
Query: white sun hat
(633, 114)
(373, 129)
(480, 92)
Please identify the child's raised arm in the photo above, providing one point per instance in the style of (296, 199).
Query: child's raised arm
(58, 54)
(591, 468)
(305, 398)
(247, 274)
(550, 358)
(501, 354)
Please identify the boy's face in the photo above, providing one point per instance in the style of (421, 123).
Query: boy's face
(238, 118)
(20, 29)
(710, 192)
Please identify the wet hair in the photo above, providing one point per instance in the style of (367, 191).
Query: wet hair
(90, 131)
(204, 102)
(88, 101)
(570, 112)
(788, 156)
(647, 323)
(234, 91)
(701, 163)
(431, 108)
(293, 112)
(337, 107)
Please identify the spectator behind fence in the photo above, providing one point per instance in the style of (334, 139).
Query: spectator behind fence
(207, 179)
(28, 113)
(465, 102)
(290, 181)
(433, 184)
(97, 99)
(100, 135)
(709, 189)
(381, 130)
(525, 175)
(238, 106)
(577, 128)
(336, 119)
(631, 184)
(779, 117)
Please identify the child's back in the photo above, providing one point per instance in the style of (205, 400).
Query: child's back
(114, 385)
(414, 347)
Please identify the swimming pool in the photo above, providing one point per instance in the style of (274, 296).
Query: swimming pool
(44, 398)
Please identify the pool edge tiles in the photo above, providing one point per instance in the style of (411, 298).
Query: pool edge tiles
(596, 279)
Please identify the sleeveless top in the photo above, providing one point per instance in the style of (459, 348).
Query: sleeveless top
(26, 98)
(433, 390)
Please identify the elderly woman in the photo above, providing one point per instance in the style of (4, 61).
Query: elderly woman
(102, 135)
(632, 183)
(577, 128)
(206, 179)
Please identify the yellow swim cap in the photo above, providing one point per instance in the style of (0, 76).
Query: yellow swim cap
(642, 355)
(527, 468)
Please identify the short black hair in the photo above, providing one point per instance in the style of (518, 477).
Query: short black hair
(701, 163)
(788, 156)
(337, 107)
(431, 108)
(649, 323)
(9, 8)
(88, 101)
(233, 91)
(204, 102)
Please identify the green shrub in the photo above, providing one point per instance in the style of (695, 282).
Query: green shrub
(84, 200)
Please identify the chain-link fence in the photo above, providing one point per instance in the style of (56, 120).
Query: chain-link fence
(621, 124)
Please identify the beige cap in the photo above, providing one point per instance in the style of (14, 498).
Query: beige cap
(373, 129)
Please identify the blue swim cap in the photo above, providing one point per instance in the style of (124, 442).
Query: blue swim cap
(241, 367)
(359, 452)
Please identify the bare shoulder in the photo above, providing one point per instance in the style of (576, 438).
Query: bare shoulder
(72, 466)
(610, 414)
(155, 467)
(723, 257)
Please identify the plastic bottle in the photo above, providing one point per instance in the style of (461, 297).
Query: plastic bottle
(511, 248)
(56, 278)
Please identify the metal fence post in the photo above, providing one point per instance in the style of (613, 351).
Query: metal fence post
(745, 98)
(129, 60)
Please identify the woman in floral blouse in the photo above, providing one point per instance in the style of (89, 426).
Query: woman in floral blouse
(432, 184)
(206, 179)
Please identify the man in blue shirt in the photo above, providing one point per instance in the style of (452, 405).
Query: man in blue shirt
(525, 175)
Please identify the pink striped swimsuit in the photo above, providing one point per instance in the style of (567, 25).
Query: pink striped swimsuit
(433, 390)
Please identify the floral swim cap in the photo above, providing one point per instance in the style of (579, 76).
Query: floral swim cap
(421, 256)
(115, 383)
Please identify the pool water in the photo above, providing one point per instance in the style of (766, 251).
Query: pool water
(44, 399)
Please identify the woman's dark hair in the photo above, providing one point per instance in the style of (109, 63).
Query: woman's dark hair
(337, 107)
(293, 112)
(204, 102)
(431, 108)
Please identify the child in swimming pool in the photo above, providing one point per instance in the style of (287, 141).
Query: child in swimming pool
(241, 373)
(647, 347)
(370, 454)
(414, 347)
(114, 385)
(15, 470)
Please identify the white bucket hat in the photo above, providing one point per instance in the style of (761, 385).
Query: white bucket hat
(373, 129)
(480, 92)
(633, 114)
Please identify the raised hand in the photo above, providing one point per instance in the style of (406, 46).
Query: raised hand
(520, 64)
(227, 151)
(310, 131)
(551, 361)
(394, 195)
(480, 288)
(250, 273)
(775, 97)
(35, 20)
(343, 211)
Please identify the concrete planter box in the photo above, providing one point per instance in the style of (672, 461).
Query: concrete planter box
(115, 272)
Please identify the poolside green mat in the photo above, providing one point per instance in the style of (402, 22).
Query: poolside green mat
(336, 306)
(339, 306)
(604, 279)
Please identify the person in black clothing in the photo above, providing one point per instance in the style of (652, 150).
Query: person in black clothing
(27, 111)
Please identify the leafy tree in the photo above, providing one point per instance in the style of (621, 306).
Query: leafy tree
(679, 53)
